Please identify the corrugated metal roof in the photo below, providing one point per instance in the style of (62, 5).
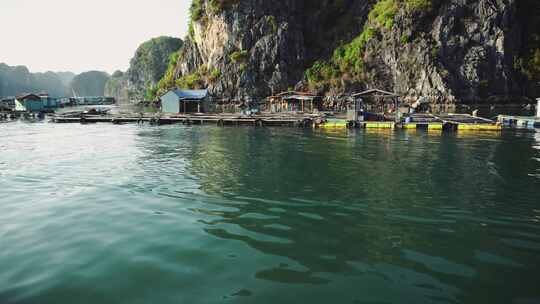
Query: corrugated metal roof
(295, 93)
(375, 91)
(300, 97)
(28, 96)
(191, 94)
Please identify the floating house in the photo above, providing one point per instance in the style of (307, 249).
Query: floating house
(29, 103)
(185, 101)
(294, 102)
(48, 101)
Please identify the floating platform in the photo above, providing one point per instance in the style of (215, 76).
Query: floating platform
(377, 125)
(220, 120)
(465, 122)
(335, 124)
(344, 124)
(519, 122)
(447, 122)
(478, 127)
(423, 126)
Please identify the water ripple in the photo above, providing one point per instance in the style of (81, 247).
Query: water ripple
(139, 214)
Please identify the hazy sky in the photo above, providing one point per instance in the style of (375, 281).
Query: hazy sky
(81, 35)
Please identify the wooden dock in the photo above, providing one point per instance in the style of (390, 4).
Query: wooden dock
(219, 120)
(423, 122)
(465, 122)
(446, 122)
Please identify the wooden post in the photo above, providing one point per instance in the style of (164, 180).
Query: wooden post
(184, 106)
(198, 107)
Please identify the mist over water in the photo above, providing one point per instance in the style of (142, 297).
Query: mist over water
(174, 214)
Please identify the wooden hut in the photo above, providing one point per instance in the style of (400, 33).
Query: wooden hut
(384, 103)
(48, 101)
(29, 102)
(185, 101)
(293, 102)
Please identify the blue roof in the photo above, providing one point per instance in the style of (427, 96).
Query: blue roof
(191, 94)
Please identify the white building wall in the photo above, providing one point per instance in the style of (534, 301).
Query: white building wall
(170, 103)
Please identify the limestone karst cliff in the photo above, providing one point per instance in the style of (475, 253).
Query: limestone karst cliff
(450, 51)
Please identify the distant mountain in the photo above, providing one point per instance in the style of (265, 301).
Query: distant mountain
(66, 78)
(117, 87)
(90, 83)
(15, 80)
(51, 83)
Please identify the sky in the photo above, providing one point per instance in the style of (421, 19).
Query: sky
(83, 35)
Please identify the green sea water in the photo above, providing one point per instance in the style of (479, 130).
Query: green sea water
(175, 214)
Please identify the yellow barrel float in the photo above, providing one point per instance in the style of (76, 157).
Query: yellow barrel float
(334, 124)
(379, 125)
(423, 126)
(479, 127)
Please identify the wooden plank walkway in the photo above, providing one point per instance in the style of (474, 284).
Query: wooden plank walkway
(221, 120)
(466, 122)
(449, 122)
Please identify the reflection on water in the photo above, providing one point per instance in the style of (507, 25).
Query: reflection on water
(205, 215)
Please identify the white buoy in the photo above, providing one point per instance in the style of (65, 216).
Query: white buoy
(538, 108)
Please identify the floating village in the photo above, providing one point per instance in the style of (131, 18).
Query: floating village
(370, 109)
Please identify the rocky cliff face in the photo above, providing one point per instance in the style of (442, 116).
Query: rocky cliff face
(457, 51)
(450, 51)
(117, 87)
(262, 47)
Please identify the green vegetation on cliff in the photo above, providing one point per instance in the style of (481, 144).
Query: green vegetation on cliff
(196, 80)
(197, 8)
(419, 4)
(147, 67)
(151, 63)
(239, 56)
(347, 60)
(529, 60)
(167, 81)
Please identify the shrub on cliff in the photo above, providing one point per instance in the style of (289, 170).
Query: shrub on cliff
(347, 60)
(419, 4)
(239, 56)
